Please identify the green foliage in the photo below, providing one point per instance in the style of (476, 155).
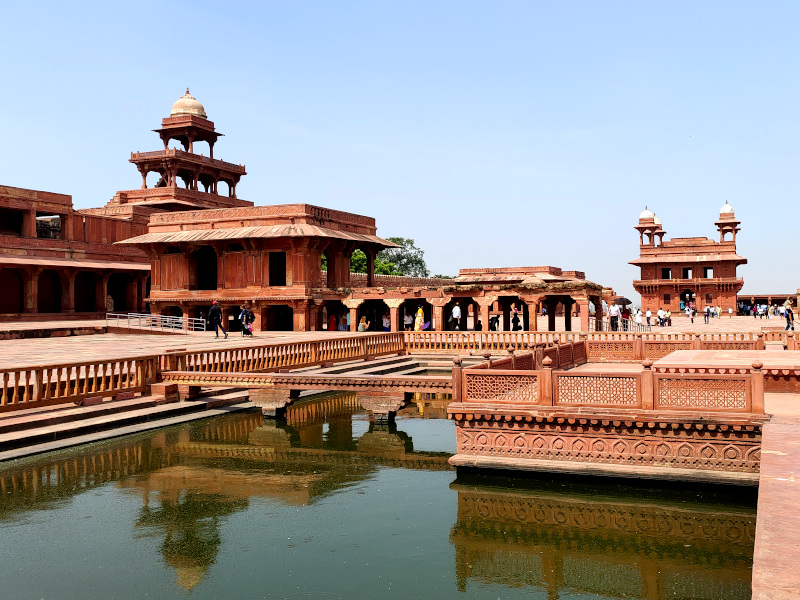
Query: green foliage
(408, 259)
(440, 276)
(358, 264)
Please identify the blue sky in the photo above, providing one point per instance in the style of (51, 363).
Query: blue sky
(494, 134)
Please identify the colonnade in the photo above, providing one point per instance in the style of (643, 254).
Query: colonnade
(38, 289)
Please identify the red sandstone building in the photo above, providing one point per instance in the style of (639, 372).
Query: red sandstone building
(688, 270)
(204, 245)
(56, 262)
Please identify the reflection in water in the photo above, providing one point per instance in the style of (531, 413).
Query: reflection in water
(550, 540)
(565, 543)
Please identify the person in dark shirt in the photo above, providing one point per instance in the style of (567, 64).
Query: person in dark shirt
(215, 316)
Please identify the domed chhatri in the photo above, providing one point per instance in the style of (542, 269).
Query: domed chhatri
(646, 214)
(188, 105)
(657, 221)
(726, 210)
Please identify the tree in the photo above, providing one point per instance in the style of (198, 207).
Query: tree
(358, 264)
(408, 259)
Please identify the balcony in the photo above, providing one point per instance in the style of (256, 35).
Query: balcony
(693, 282)
(137, 157)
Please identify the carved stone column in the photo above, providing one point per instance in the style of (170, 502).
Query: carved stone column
(485, 304)
(394, 316)
(438, 319)
(353, 304)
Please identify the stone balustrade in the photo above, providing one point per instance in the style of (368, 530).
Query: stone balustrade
(72, 382)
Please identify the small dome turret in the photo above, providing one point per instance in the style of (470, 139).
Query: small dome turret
(646, 214)
(727, 209)
(188, 105)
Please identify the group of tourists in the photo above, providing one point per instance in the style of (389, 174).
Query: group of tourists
(245, 316)
(340, 322)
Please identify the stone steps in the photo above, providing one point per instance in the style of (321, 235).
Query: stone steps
(22, 435)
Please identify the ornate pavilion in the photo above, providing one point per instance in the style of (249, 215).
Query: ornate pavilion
(693, 270)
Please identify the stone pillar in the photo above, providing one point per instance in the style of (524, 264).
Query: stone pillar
(551, 313)
(438, 318)
(394, 313)
(506, 316)
(370, 267)
(568, 315)
(32, 291)
(583, 305)
(300, 316)
(648, 397)
(101, 291)
(29, 224)
(68, 292)
(316, 315)
(353, 304)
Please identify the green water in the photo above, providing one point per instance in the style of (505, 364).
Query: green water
(327, 505)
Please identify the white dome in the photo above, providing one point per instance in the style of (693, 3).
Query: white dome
(646, 214)
(656, 220)
(188, 105)
(726, 210)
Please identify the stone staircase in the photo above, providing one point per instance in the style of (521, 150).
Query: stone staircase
(36, 430)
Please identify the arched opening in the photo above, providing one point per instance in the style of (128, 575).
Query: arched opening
(155, 179)
(687, 299)
(49, 292)
(12, 300)
(374, 310)
(334, 315)
(118, 290)
(278, 318)
(86, 292)
(409, 309)
(203, 269)
(223, 188)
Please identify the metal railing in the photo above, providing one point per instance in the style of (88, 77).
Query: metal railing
(622, 325)
(160, 323)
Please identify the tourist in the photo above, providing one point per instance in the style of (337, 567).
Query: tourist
(243, 320)
(332, 322)
(706, 314)
(455, 317)
(343, 318)
(789, 317)
(668, 318)
(770, 312)
(638, 319)
(661, 314)
(387, 323)
(408, 321)
(515, 326)
(690, 313)
(648, 315)
(363, 324)
(494, 322)
(419, 321)
(730, 312)
(479, 326)
(215, 315)
(613, 315)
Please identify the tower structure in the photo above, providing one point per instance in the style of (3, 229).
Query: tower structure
(187, 180)
(682, 271)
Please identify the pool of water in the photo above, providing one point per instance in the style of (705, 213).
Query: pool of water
(326, 504)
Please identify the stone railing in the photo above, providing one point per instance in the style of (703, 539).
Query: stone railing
(601, 346)
(175, 153)
(693, 389)
(279, 356)
(72, 382)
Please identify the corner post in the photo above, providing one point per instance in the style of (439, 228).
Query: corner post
(546, 387)
(757, 405)
(648, 390)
